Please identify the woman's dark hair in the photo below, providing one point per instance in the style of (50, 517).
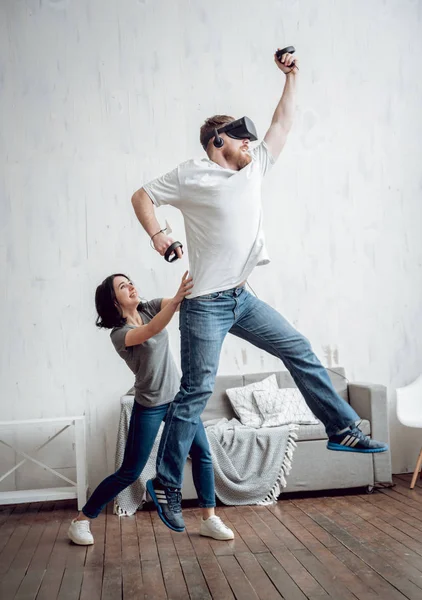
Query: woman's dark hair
(108, 309)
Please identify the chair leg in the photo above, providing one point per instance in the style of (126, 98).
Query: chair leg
(417, 469)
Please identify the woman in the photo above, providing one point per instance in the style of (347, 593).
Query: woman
(139, 336)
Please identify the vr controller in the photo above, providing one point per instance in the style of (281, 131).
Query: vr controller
(287, 50)
(170, 250)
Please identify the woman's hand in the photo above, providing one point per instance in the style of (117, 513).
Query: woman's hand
(184, 289)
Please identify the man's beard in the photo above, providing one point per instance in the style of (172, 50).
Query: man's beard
(240, 158)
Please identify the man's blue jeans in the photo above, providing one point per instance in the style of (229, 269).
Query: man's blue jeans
(204, 323)
(143, 429)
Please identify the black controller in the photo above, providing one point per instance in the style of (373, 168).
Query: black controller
(170, 251)
(287, 50)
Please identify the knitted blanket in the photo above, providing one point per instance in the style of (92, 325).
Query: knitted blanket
(250, 465)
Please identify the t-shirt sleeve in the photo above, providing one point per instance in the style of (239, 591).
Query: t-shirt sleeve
(262, 155)
(152, 306)
(118, 336)
(164, 189)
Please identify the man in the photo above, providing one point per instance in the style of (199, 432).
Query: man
(220, 199)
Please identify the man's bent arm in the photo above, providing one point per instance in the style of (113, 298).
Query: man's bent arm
(145, 212)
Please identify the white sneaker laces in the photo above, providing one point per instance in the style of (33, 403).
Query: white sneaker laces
(83, 525)
(217, 522)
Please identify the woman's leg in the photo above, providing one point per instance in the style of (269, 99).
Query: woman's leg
(202, 469)
(143, 429)
(203, 479)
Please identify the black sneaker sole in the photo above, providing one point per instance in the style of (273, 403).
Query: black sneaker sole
(154, 498)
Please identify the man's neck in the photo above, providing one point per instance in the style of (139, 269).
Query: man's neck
(225, 164)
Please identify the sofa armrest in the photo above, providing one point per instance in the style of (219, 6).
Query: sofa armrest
(370, 402)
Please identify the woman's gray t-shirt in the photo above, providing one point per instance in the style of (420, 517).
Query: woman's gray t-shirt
(156, 377)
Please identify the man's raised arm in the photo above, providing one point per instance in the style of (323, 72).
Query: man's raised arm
(282, 120)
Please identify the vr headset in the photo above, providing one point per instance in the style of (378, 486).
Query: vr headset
(240, 129)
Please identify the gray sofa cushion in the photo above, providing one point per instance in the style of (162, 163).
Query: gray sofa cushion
(218, 406)
(317, 432)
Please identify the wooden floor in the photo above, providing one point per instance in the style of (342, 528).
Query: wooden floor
(343, 546)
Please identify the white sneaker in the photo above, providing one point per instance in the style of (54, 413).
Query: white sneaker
(80, 533)
(214, 527)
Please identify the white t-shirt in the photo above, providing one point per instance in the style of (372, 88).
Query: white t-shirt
(223, 218)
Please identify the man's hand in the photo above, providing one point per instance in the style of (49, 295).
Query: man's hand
(162, 241)
(286, 63)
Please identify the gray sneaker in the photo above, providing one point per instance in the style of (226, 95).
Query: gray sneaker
(169, 504)
(354, 440)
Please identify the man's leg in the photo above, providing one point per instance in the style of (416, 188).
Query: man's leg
(260, 324)
(204, 323)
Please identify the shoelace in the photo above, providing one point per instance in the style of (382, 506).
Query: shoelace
(174, 499)
(83, 525)
(358, 433)
(218, 522)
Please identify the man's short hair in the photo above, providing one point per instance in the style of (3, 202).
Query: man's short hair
(213, 123)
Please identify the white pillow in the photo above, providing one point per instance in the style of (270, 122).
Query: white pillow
(244, 404)
(283, 406)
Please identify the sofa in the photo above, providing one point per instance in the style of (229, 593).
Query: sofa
(315, 467)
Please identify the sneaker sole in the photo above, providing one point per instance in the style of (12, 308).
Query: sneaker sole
(151, 492)
(340, 448)
(215, 537)
(79, 543)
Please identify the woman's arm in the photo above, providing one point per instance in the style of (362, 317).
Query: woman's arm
(165, 302)
(168, 307)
